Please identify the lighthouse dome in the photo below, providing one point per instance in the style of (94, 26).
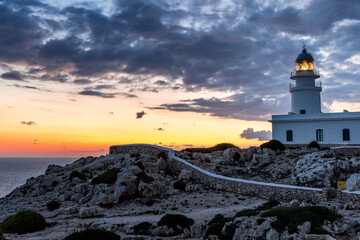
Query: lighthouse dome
(305, 56)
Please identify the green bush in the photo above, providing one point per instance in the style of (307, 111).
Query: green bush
(313, 144)
(174, 220)
(144, 177)
(247, 212)
(269, 204)
(295, 216)
(25, 221)
(1, 236)
(52, 205)
(218, 147)
(162, 155)
(108, 177)
(273, 145)
(260, 220)
(142, 228)
(93, 234)
(236, 157)
(77, 174)
(140, 165)
(179, 185)
(216, 225)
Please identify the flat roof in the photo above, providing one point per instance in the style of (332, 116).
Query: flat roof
(342, 116)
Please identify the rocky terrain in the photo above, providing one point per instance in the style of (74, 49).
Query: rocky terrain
(119, 191)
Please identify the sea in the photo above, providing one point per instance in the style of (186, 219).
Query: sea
(15, 171)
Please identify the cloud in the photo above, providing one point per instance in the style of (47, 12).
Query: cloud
(28, 87)
(82, 81)
(111, 113)
(97, 94)
(159, 129)
(29, 123)
(35, 142)
(188, 145)
(140, 114)
(262, 135)
(238, 106)
(17, 76)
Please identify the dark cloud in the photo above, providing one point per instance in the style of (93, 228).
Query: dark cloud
(111, 113)
(16, 76)
(28, 87)
(262, 135)
(29, 123)
(247, 48)
(159, 129)
(82, 81)
(140, 114)
(239, 106)
(97, 94)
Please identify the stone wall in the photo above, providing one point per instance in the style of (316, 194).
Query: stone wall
(344, 197)
(138, 148)
(249, 188)
(346, 150)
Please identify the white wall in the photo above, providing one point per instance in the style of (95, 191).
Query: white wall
(305, 132)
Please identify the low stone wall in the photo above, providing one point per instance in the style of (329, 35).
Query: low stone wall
(249, 188)
(138, 148)
(344, 197)
(346, 150)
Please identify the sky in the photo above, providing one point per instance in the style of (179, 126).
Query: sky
(79, 76)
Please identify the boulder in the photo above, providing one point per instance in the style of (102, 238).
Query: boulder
(353, 182)
(272, 234)
(196, 230)
(53, 169)
(88, 212)
(185, 174)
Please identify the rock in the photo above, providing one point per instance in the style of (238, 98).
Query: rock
(228, 153)
(71, 210)
(161, 231)
(186, 232)
(196, 230)
(149, 189)
(185, 175)
(272, 234)
(304, 229)
(53, 169)
(294, 203)
(88, 212)
(245, 156)
(353, 182)
(46, 181)
(76, 197)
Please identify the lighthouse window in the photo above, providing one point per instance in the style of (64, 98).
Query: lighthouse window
(289, 135)
(346, 134)
(319, 135)
(302, 111)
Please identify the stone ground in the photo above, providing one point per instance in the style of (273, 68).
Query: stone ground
(200, 206)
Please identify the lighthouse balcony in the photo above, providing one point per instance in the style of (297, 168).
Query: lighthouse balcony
(317, 87)
(310, 73)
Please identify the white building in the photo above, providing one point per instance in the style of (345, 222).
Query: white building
(306, 122)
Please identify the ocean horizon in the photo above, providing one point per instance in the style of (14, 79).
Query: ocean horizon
(14, 171)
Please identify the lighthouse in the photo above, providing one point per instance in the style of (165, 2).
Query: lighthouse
(305, 90)
(305, 122)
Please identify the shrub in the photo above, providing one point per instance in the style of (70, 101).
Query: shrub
(313, 144)
(269, 204)
(273, 145)
(52, 205)
(77, 174)
(162, 155)
(236, 157)
(218, 147)
(294, 216)
(247, 212)
(142, 228)
(25, 221)
(144, 177)
(260, 220)
(179, 185)
(1, 236)
(216, 225)
(108, 177)
(174, 220)
(93, 234)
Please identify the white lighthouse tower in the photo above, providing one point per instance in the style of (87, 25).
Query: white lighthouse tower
(305, 92)
(305, 122)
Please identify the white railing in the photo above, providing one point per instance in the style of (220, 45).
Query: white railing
(294, 73)
(293, 85)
